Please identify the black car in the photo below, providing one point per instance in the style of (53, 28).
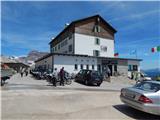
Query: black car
(89, 77)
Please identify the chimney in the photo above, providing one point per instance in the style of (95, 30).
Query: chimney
(66, 25)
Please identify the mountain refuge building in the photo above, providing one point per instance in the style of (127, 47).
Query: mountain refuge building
(86, 44)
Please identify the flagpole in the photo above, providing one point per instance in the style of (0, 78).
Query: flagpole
(136, 53)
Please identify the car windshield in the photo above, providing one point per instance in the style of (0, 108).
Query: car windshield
(95, 73)
(148, 86)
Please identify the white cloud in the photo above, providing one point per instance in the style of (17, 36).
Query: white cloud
(136, 16)
(22, 41)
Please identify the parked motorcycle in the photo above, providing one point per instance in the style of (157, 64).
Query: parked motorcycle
(51, 79)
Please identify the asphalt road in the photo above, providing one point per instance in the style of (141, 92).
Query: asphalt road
(30, 99)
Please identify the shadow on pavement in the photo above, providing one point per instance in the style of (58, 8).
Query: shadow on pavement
(136, 114)
(90, 85)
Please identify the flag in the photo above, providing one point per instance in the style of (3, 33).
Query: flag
(155, 49)
(116, 54)
(133, 52)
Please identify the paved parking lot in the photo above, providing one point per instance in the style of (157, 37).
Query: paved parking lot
(29, 82)
(27, 98)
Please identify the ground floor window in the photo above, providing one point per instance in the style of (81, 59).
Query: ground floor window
(92, 67)
(99, 67)
(87, 67)
(81, 66)
(132, 67)
(129, 67)
(76, 67)
(135, 68)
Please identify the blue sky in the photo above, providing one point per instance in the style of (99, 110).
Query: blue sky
(27, 26)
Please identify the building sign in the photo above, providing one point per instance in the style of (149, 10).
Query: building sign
(104, 48)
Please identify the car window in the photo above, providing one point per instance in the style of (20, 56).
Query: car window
(80, 72)
(95, 73)
(148, 86)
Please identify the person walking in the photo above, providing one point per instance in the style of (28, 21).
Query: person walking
(61, 73)
(108, 72)
(22, 71)
(26, 72)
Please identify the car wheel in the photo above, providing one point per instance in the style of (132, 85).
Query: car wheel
(75, 79)
(86, 82)
(98, 84)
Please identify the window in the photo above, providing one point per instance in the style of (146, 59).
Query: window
(81, 66)
(96, 28)
(70, 48)
(56, 48)
(97, 41)
(135, 68)
(95, 52)
(76, 67)
(65, 42)
(104, 48)
(148, 86)
(92, 67)
(59, 46)
(52, 49)
(132, 68)
(129, 67)
(62, 44)
(99, 67)
(87, 67)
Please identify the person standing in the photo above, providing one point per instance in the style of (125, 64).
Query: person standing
(55, 73)
(61, 73)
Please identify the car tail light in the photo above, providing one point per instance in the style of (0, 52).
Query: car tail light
(144, 99)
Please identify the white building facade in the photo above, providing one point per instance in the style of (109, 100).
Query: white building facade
(86, 44)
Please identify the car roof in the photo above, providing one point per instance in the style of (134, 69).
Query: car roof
(153, 81)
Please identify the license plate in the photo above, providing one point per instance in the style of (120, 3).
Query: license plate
(130, 95)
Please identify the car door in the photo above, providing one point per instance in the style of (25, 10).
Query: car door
(78, 76)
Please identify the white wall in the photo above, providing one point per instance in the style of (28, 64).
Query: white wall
(85, 44)
(68, 62)
(133, 62)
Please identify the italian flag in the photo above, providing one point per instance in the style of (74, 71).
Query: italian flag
(116, 54)
(156, 49)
